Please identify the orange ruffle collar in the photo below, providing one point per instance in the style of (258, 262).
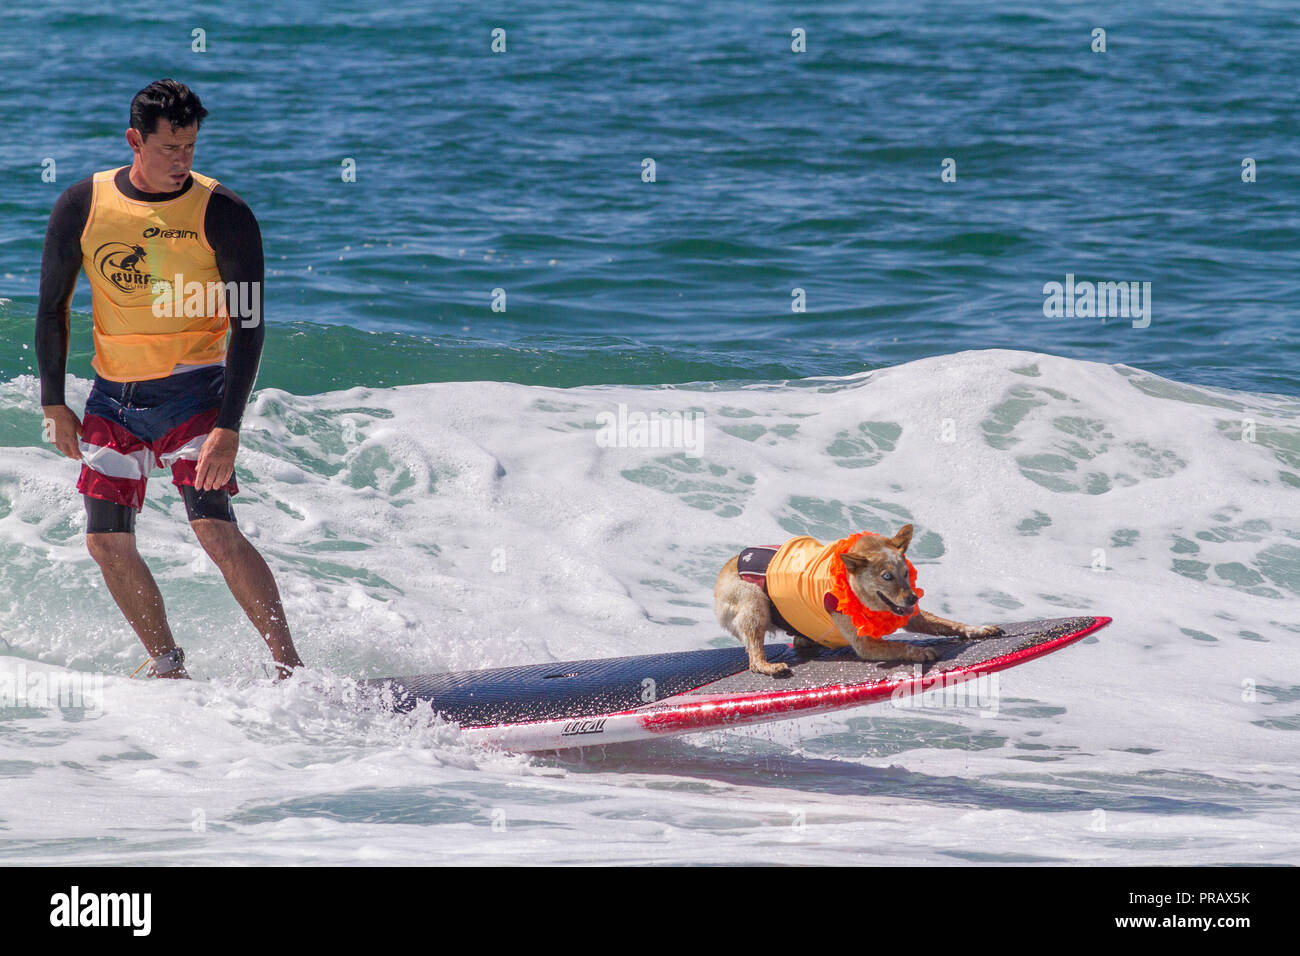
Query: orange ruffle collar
(869, 623)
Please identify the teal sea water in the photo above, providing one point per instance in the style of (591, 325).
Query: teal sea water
(425, 474)
(775, 171)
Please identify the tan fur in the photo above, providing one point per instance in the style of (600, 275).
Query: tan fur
(743, 610)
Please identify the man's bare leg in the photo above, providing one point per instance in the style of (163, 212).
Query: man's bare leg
(135, 591)
(251, 582)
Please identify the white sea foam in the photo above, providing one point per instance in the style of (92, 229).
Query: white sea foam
(464, 525)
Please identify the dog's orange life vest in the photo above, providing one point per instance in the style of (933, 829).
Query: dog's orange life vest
(806, 580)
(132, 252)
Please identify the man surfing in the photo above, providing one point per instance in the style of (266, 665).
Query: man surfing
(174, 261)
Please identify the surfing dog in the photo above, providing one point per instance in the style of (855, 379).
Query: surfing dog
(851, 592)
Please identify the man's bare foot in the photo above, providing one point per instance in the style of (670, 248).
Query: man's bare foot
(283, 671)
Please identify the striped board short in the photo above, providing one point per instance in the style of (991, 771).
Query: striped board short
(130, 428)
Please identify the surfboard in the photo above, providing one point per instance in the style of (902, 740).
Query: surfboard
(582, 703)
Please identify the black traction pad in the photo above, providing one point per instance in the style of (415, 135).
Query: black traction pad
(571, 689)
(827, 668)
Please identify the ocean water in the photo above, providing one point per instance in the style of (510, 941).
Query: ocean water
(428, 480)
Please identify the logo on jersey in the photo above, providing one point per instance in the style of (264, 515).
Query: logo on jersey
(123, 265)
(153, 232)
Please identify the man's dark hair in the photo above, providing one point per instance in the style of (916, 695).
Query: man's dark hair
(165, 99)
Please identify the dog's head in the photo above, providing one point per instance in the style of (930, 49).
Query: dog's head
(877, 572)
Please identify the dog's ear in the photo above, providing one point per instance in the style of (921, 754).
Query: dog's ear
(900, 541)
(854, 562)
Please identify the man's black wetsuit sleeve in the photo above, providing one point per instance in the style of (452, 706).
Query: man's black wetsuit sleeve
(234, 235)
(60, 263)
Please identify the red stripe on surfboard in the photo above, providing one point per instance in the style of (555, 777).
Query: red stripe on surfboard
(717, 711)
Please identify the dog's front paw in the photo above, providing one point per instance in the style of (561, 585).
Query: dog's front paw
(771, 670)
(971, 632)
(919, 652)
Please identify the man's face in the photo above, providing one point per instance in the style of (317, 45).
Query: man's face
(164, 157)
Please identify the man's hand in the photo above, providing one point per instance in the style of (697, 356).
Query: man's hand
(216, 459)
(62, 427)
